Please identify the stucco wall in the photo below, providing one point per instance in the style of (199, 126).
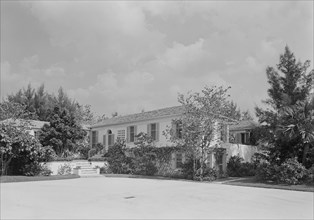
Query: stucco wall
(244, 151)
(55, 165)
(141, 127)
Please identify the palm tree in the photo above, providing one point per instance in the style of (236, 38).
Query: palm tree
(300, 123)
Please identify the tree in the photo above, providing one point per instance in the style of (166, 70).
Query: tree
(290, 85)
(62, 133)
(15, 141)
(300, 126)
(204, 113)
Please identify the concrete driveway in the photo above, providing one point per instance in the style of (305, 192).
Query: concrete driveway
(101, 198)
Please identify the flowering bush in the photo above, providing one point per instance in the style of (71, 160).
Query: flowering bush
(65, 169)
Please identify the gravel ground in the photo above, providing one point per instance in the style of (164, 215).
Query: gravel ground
(129, 198)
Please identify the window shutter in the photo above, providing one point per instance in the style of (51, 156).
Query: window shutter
(91, 139)
(97, 132)
(157, 131)
(174, 129)
(135, 132)
(149, 130)
(104, 140)
(112, 139)
(128, 134)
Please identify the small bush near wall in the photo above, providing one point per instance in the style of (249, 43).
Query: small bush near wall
(65, 169)
(36, 170)
(237, 168)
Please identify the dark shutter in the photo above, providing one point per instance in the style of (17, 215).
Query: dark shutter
(128, 134)
(135, 132)
(104, 140)
(149, 130)
(157, 131)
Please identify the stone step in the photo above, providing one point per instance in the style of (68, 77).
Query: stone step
(88, 171)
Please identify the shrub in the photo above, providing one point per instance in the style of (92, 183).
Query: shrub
(92, 152)
(36, 169)
(291, 172)
(65, 169)
(309, 178)
(105, 170)
(187, 169)
(266, 171)
(209, 174)
(118, 162)
(237, 168)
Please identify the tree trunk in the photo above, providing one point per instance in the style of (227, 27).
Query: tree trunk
(305, 151)
(202, 165)
(5, 166)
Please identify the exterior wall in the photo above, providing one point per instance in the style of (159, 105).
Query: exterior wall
(141, 127)
(244, 151)
(55, 165)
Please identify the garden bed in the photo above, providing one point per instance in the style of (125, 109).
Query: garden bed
(11, 179)
(252, 182)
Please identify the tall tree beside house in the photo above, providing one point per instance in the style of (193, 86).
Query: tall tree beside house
(237, 114)
(20, 151)
(63, 132)
(290, 85)
(199, 123)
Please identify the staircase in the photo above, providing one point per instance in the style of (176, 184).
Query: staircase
(84, 169)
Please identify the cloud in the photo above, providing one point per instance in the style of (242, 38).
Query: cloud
(125, 56)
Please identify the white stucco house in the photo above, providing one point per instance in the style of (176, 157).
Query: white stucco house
(154, 123)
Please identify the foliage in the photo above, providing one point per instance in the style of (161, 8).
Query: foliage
(144, 159)
(236, 113)
(91, 153)
(105, 170)
(237, 167)
(36, 169)
(118, 161)
(288, 122)
(18, 149)
(62, 133)
(202, 112)
(209, 174)
(65, 169)
(290, 172)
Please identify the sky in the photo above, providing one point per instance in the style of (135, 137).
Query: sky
(131, 56)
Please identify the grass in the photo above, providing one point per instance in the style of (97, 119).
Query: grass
(253, 182)
(11, 179)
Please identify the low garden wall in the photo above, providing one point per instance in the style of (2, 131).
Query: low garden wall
(54, 166)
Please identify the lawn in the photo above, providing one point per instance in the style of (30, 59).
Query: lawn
(10, 179)
(252, 182)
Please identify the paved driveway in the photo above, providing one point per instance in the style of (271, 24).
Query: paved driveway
(100, 198)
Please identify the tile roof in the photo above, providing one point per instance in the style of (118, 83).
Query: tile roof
(243, 125)
(149, 115)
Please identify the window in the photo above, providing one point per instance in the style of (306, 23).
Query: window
(179, 160)
(131, 132)
(94, 138)
(36, 133)
(121, 134)
(110, 138)
(177, 129)
(153, 131)
(245, 138)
